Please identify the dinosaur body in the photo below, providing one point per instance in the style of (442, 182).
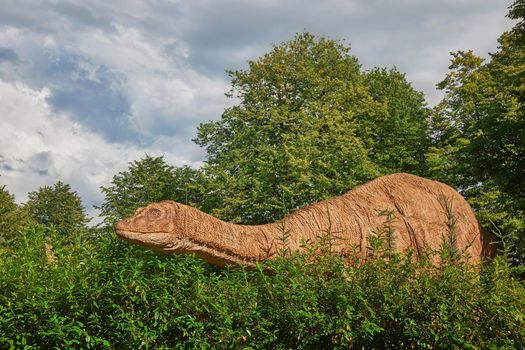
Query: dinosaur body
(417, 203)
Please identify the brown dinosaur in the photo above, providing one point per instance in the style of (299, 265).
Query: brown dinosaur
(417, 203)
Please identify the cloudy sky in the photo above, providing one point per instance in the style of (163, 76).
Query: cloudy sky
(88, 86)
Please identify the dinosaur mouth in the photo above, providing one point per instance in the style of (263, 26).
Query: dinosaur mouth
(128, 234)
(159, 241)
(165, 243)
(153, 240)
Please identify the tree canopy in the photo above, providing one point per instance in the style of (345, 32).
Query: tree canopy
(12, 218)
(479, 131)
(310, 124)
(148, 180)
(59, 206)
(398, 138)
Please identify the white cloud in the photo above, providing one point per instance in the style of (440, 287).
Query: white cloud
(39, 147)
(147, 81)
(162, 88)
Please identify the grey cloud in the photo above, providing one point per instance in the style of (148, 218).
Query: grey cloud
(48, 17)
(81, 16)
(41, 163)
(99, 104)
(17, 15)
(41, 172)
(381, 33)
(4, 164)
(8, 164)
(91, 94)
(8, 55)
(166, 126)
(223, 35)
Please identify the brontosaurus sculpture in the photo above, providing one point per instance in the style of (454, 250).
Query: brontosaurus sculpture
(417, 203)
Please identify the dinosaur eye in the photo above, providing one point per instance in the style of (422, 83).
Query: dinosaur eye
(154, 213)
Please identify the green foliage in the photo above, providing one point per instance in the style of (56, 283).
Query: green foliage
(397, 139)
(12, 218)
(517, 12)
(479, 132)
(58, 206)
(103, 293)
(146, 181)
(309, 125)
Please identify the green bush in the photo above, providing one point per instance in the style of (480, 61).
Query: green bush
(103, 293)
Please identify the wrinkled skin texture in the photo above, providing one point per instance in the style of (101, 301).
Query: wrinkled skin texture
(417, 203)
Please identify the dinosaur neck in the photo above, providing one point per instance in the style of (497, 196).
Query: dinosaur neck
(222, 243)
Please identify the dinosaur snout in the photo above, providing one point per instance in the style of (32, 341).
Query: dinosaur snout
(122, 225)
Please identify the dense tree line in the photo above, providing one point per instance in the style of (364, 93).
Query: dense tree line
(478, 132)
(13, 218)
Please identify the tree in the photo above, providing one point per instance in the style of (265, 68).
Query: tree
(399, 139)
(12, 218)
(59, 206)
(479, 131)
(307, 127)
(292, 139)
(148, 180)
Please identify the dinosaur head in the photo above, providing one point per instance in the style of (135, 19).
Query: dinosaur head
(153, 226)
